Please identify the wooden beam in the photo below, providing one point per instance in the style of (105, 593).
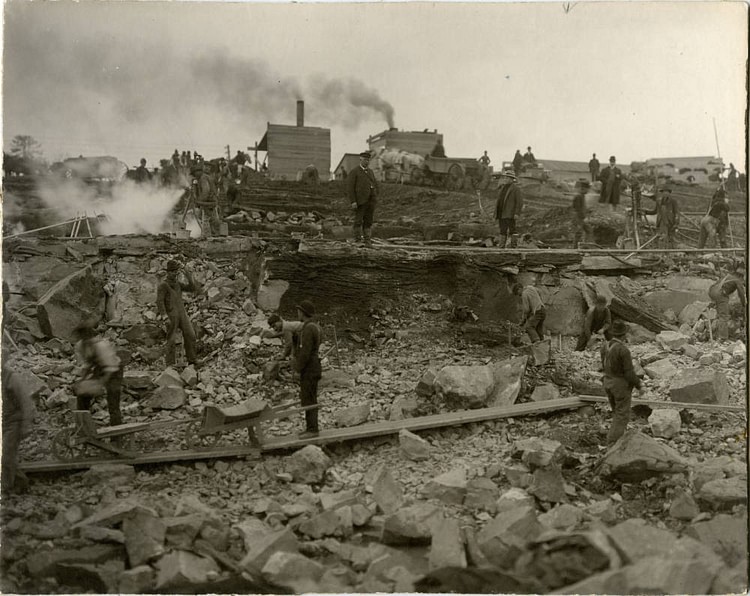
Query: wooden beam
(335, 435)
(669, 404)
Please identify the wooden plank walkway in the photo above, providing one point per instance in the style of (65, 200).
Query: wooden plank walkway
(670, 404)
(328, 436)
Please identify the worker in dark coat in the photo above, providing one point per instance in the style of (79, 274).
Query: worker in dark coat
(169, 304)
(533, 311)
(141, 173)
(438, 150)
(594, 168)
(611, 179)
(528, 157)
(667, 218)
(598, 320)
(619, 379)
(101, 371)
(509, 205)
(720, 292)
(363, 192)
(518, 162)
(307, 364)
(582, 230)
(716, 222)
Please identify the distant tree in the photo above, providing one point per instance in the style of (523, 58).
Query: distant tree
(26, 147)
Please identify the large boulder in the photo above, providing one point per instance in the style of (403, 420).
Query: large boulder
(661, 369)
(635, 457)
(724, 493)
(72, 300)
(537, 452)
(566, 311)
(308, 465)
(507, 535)
(700, 385)
(726, 535)
(413, 446)
(665, 422)
(717, 468)
(495, 384)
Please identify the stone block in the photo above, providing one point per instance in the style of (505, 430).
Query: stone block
(281, 540)
(447, 548)
(700, 385)
(352, 415)
(168, 397)
(386, 491)
(411, 525)
(180, 569)
(308, 465)
(545, 392)
(672, 340)
(665, 423)
(506, 536)
(449, 487)
(74, 299)
(412, 446)
(661, 369)
(293, 571)
(144, 537)
(138, 580)
(724, 493)
(426, 383)
(635, 457)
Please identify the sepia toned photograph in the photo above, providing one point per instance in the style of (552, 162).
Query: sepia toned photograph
(374, 297)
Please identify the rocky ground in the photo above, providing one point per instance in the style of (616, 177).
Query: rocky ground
(530, 504)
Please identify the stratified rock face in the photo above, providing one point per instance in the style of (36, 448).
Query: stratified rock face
(69, 302)
(636, 457)
(700, 385)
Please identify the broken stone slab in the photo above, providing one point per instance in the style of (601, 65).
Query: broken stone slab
(144, 537)
(169, 377)
(539, 453)
(99, 534)
(447, 547)
(251, 529)
(189, 376)
(280, 540)
(700, 385)
(138, 580)
(136, 379)
(293, 571)
(683, 506)
(726, 535)
(308, 465)
(665, 422)
(113, 514)
(168, 397)
(514, 498)
(109, 474)
(717, 468)
(672, 340)
(541, 352)
(506, 536)
(328, 523)
(412, 446)
(691, 313)
(636, 457)
(71, 301)
(44, 563)
(403, 407)
(179, 569)
(387, 492)
(270, 294)
(724, 493)
(548, 485)
(545, 392)
(353, 415)
(661, 369)
(636, 539)
(411, 525)
(562, 517)
(180, 532)
(337, 499)
(481, 494)
(426, 383)
(449, 487)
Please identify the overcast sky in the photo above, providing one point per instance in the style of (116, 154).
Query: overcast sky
(139, 79)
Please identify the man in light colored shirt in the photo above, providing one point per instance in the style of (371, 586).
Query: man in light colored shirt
(289, 331)
(533, 311)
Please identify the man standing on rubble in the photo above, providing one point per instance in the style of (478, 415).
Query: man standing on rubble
(667, 218)
(509, 205)
(582, 230)
(363, 192)
(611, 178)
(598, 320)
(716, 222)
(169, 304)
(101, 371)
(720, 292)
(307, 364)
(532, 308)
(594, 168)
(619, 379)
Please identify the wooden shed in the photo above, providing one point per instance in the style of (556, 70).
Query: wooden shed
(413, 142)
(348, 162)
(290, 149)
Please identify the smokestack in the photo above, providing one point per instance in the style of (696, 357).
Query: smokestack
(300, 112)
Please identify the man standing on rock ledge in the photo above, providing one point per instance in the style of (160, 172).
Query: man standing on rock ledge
(619, 379)
(169, 304)
(363, 191)
(308, 366)
(509, 205)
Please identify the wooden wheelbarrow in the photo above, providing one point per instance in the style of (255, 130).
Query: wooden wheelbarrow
(203, 431)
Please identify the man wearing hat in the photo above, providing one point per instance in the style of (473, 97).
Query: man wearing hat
(667, 218)
(101, 371)
(363, 191)
(169, 304)
(509, 205)
(611, 178)
(307, 364)
(594, 168)
(719, 292)
(716, 222)
(581, 228)
(619, 379)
